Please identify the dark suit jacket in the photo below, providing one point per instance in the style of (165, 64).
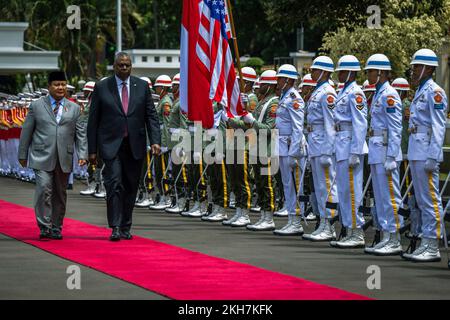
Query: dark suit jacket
(107, 121)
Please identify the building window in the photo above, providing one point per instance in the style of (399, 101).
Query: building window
(169, 59)
(156, 58)
(144, 58)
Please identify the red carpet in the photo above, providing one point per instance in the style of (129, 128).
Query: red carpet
(168, 270)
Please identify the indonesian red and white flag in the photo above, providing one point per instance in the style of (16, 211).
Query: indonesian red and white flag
(207, 72)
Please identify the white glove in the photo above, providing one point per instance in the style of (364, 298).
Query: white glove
(353, 161)
(248, 118)
(224, 116)
(293, 163)
(197, 156)
(180, 152)
(164, 149)
(244, 99)
(219, 157)
(431, 165)
(390, 165)
(325, 161)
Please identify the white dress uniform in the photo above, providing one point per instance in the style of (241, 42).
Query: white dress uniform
(350, 117)
(384, 141)
(291, 142)
(427, 131)
(321, 141)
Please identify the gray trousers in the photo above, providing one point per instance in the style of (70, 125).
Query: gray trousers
(50, 198)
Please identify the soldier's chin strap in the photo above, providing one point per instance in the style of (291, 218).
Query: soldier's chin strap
(267, 91)
(421, 74)
(378, 77)
(348, 76)
(284, 86)
(320, 77)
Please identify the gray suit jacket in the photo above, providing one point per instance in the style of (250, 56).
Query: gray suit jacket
(43, 140)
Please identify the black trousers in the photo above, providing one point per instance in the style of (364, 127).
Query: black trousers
(121, 176)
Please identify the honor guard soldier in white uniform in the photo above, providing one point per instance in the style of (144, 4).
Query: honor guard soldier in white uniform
(350, 117)
(427, 131)
(291, 144)
(321, 140)
(385, 155)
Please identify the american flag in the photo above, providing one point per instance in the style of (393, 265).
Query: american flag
(207, 70)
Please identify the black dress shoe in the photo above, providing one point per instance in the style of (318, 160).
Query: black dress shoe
(45, 234)
(115, 235)
(70, 186)
(126, 235)
(56, 235)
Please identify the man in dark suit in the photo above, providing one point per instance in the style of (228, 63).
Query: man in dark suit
(52, 127)
(121, 112)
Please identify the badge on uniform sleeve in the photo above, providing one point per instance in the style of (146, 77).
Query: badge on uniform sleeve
(359, 102)
(296, 104)
(273, 111)
(438, 105)
(330, 101)
(166, 108)
(293, 95)
(390, 101)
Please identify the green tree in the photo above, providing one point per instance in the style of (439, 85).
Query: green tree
(398, 38)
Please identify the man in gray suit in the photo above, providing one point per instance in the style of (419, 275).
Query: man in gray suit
(52, 127)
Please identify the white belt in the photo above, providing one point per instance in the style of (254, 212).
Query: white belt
(377, 132)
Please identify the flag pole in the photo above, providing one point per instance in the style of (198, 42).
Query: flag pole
(236, 49)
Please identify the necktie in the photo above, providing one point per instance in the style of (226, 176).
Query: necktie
(125, 103)
(124, 97)
(56, 109)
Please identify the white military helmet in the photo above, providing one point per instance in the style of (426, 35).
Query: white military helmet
(269, 77)
(378, 61)
(70, 87)
(426, 57)
(400, 84)
(368, 87)
(287, 71)
(103, 78)
(348, 63)
(89, 86)
(323, 63)
(163, 81)
(176, 79)
(146, 79)
(308, 81)
(249, 74)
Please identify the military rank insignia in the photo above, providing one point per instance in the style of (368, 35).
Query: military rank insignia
(359, 102)
(330, 102)
(293, 95)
